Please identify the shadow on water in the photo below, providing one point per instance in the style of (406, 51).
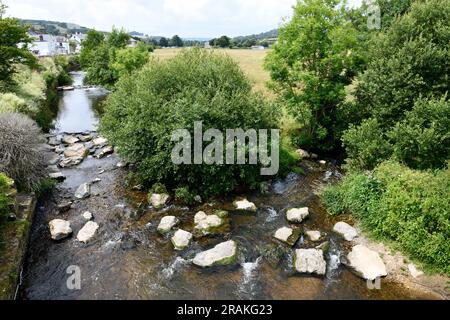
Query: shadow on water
(128, 259)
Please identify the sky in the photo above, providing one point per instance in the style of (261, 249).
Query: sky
(187, 18)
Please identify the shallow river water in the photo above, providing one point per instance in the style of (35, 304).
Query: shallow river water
(128, 259)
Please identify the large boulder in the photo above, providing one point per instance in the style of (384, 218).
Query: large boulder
(159, 200)
(310, 261)
(288, 235)
(99, 141)
(366, 263)
(167, 223)
(59, 229)
(313, 235)
(76, 150)
(244, 205)
(83, 191)
(58, 176)
(345, 230)
(206, 224)
(181, 239)
(223, 254)
(87, 232)
(297, 215)
(104, 152)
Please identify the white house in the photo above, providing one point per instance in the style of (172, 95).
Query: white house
(78, 38)
(49, 45)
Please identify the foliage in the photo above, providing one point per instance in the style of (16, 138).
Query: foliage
(176, 41)
(106, 59)
(410, 207)
(403, 92)
(128, 60)
(222, 42)
(21, 154)
(5, 200)
(183, 196)
(14, 40)
(196, 85)
(163, 42)
(316, 56)
(45, 188)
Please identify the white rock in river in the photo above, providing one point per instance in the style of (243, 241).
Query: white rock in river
(244, 205)
(287, 235)
(313, 235)
(59, 229)
(348, 232)
(70, 140)
(181, 239)
(83, 191)
(167, 223)
(222, 254)
(366, 263)
(415, 273)
(87, 232)
(99, 141)
(310, 261)
(159, 200)
(297, 215)
(88, 216)
(204, 223)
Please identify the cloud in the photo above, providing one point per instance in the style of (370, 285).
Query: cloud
(188, 18)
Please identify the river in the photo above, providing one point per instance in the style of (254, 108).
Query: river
(128, 259)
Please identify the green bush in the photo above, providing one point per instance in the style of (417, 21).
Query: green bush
(196, 85)
(409, 207)
(184, 196)
(5, 200)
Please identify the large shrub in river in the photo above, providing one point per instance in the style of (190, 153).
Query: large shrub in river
(196, 85)
(410, 207)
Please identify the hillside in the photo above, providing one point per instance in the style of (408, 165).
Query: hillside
(54, 27)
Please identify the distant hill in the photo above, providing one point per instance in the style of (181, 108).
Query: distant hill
(54, 27)
(264, 35)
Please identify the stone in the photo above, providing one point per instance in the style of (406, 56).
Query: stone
(303, 153)
(167, 223)
(60, 149)
(366, 263)
(58, 176)
(310, 261)
(198, 199)
(415, 273)
(325, 246)
(121, 164)
(348, 232)
(88, 216)
(70, 139)
(287, 235)
(64, 206)
(54, 142)
(76, 150)
(59, 229)
(83, 191)
(313, 235)
(273, 253)
(53, 168)
(85, 138)
(104, 152)
(159, 200)
(205, 224)
(323, 163)
(297, 215)
(87, 232)
(99, 141)
(96, 180)
(244, 205)
(222, 254)
(69, 162)
(181, 239)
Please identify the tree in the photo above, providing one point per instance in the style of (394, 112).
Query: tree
(408, 63)
(93, 41)
(14, 41)
(176, 41)
(223, 42)
(163, 42)
(129, 59)
(315, 57)
(118, 38)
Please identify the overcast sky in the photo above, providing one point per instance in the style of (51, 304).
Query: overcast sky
(187, 18)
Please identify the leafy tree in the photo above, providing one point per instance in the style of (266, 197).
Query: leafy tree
(409, 60)
(163, 42)
(176, 41)
(223, 42)
(14, 41)
(118, 38)
(93, 40)
(315, 57)
(129, 59)
(197, 84)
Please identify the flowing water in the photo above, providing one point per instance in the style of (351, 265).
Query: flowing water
(129, 260)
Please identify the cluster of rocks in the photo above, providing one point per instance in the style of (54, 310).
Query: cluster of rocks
(72, 149)
(224, 253)
(61, 229)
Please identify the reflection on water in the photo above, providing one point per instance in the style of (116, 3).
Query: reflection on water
(78, 109)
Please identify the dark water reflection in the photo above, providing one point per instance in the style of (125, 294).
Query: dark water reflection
(79, 110)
